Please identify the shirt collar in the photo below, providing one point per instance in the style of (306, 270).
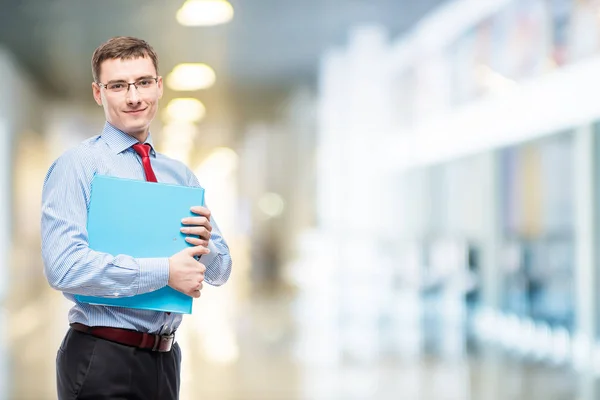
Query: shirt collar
(119, 141)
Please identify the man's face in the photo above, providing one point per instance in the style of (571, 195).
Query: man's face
(130, 110)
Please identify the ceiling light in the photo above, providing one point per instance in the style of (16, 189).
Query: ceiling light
(191, 77)
(184, 110)
(204, 12)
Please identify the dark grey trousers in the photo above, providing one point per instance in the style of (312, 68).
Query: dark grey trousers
(89, 368)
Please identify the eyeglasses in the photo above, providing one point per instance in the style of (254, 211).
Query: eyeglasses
(143, 85)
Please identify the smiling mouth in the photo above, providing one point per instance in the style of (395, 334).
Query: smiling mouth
(134, 112)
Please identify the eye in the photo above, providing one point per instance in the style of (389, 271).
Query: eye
(115, 86)
(145, 82)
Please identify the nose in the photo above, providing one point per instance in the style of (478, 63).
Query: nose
(133, 97)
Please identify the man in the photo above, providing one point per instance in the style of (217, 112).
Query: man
(112, 352)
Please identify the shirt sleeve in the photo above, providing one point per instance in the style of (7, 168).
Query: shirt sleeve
(69, 264)
(218, 262)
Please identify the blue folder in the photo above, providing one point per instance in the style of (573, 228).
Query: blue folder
(143, 220)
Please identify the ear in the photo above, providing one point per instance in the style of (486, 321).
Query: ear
(97, 92)
(160, 87)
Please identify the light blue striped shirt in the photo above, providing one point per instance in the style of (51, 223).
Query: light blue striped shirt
(73, 268)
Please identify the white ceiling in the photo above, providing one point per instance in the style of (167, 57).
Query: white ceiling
(269, 47)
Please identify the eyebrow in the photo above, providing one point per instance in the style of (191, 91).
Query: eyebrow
(137, 79)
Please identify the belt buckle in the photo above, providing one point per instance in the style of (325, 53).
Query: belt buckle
(163, 343)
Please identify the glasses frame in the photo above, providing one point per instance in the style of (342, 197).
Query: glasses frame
(105, 85)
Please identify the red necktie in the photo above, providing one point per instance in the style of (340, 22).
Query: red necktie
(144, 151)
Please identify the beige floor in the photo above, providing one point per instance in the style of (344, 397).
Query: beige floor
(249, 356)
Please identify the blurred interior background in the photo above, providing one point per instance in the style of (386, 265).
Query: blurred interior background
(409, 189)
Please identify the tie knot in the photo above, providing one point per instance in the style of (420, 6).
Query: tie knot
(142, 149)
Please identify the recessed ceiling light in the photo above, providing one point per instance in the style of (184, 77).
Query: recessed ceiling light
(187, 76)
(184, 110)
(205, 12)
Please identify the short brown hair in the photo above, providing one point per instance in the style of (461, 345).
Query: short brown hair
(122, 47)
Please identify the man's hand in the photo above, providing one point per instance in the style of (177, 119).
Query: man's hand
(198, 227)
(186, 274)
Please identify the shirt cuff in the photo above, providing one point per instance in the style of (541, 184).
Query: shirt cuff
(206, 259)
(154, 274)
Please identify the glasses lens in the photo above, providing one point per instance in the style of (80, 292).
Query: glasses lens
(116, 87)
(145, 84)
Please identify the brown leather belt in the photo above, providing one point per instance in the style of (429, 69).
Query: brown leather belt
(148, 341)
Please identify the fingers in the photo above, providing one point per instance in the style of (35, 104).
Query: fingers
(203, 218)
(197, 251)
(201, 231)
(202, 211)
(197, 292)
(197, 242)
(201, 221)
(199, 226)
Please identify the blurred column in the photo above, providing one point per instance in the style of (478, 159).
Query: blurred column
(315, 272)
(5, 239)
(492, 235)
(24, 110)
(5, 205)
(9, 114)
(364, 274)
(354, 115)
(364, 188)
(585, 254)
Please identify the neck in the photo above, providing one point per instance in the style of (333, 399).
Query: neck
(140, 136)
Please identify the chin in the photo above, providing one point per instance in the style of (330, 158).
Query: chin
(136, 127)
